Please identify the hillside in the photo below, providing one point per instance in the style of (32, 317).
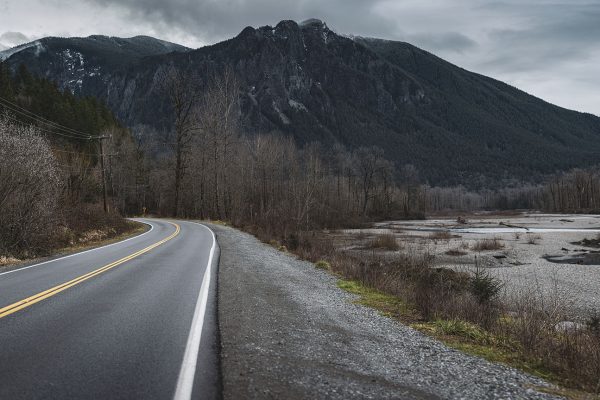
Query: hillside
(304, 80)
(77, 63)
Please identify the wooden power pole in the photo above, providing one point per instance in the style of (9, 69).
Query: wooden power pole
(104, 190)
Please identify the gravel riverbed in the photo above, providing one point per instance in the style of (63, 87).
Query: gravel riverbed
(288, 332)
(522, 266)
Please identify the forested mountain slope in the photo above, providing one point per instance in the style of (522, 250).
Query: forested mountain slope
(304, 80)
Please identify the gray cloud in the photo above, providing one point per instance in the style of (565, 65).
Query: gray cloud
(11, 39)
(449, 41)
(550, 48)
(561, 34)
(210, 20)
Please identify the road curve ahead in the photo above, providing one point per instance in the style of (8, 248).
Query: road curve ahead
(132, 320)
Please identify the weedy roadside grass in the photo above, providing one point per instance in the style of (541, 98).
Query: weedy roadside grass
(466, 337)
(387, 305)
(322, 264)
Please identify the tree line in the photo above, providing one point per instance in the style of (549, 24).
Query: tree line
(207, 167)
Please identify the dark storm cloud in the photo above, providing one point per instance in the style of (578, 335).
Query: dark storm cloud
(555, 34)
(550, 48)
(211, 20)
(10, 39)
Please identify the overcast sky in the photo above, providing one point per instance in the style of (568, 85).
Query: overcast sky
(549, 48)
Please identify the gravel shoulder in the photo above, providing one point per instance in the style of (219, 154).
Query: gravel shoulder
(287, 331)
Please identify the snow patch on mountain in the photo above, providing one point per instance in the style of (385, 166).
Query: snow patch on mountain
(284, 118)
(74, 68)
(297, 105)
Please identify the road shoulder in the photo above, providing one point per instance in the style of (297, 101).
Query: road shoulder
(288, 331)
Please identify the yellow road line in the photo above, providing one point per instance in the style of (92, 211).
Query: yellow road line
(21, 304)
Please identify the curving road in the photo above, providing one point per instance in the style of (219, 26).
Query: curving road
(132, 320)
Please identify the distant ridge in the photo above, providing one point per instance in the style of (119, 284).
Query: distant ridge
(304, 80)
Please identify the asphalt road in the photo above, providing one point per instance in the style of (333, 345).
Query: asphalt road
(133, 320)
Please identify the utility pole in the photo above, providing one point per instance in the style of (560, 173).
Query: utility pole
(104, 192)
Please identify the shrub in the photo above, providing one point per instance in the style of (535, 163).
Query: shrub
(484, 287)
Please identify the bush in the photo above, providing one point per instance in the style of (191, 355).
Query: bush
(484, 287)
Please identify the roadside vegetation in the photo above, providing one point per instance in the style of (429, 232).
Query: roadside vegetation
(50, 173)
(468, 311)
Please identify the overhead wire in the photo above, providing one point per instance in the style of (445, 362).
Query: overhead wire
(41, 119)
(46, 130)
(65, 131)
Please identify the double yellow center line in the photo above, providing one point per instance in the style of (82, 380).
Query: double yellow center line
(21, 304)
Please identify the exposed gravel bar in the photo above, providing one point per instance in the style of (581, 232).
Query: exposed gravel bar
(288, 332)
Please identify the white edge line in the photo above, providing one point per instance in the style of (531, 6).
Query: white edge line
(185, 381)
(82, 252)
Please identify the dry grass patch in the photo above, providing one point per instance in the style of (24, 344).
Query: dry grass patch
(386, 241)
(441, 235)
(456, 253)
(533, 238)
(488, 244)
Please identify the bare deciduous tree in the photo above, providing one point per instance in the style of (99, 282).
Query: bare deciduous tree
(29, 187)
(181, 88)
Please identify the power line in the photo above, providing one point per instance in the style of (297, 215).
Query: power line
(41, 119)
(38, 118)
(49, 126)
(46, 130)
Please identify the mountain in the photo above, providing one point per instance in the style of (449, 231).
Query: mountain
(304, 80)
(76, 63)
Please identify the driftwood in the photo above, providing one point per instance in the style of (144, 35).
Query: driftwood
(513, 226)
